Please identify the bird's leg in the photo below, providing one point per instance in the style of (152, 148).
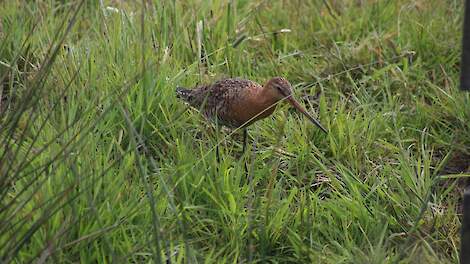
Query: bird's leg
(217, 152)
(245, 138)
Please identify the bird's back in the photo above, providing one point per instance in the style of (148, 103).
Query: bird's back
(216, 101)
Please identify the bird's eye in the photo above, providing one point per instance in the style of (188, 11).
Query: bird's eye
(279, 89)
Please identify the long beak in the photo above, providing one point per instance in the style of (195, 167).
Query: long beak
(296, 104)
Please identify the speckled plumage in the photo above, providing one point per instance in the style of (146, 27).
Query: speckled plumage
(238, 102)
(223, 101)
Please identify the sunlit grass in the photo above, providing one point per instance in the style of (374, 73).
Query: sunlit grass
(99, 162)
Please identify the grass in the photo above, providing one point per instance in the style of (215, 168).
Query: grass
(101, 163)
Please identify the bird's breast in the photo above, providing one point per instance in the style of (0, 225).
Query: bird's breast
(245, 112)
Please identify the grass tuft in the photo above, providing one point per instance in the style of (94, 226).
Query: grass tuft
(99, 162)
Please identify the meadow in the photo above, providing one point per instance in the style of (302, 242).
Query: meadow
(101, 163)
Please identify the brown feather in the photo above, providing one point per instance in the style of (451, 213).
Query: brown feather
(238, 102)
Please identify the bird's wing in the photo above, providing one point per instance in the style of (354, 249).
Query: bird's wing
(218, 100)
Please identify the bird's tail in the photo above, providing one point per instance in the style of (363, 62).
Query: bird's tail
(183, 93)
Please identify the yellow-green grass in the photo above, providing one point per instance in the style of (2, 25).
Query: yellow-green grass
(99, 162)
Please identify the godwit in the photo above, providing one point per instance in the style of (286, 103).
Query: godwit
(237, 103)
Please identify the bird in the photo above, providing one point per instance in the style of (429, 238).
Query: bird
(238, 103)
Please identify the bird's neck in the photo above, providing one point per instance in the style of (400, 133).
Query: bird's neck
(266, 97)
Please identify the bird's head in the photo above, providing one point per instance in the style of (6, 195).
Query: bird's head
(281, 89)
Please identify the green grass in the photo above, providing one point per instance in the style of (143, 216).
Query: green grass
(99, 162)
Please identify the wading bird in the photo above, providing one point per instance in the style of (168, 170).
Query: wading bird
(237, 103)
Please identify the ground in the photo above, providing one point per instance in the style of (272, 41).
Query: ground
(100, 162)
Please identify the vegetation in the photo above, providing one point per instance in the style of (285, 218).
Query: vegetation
(99, 162)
